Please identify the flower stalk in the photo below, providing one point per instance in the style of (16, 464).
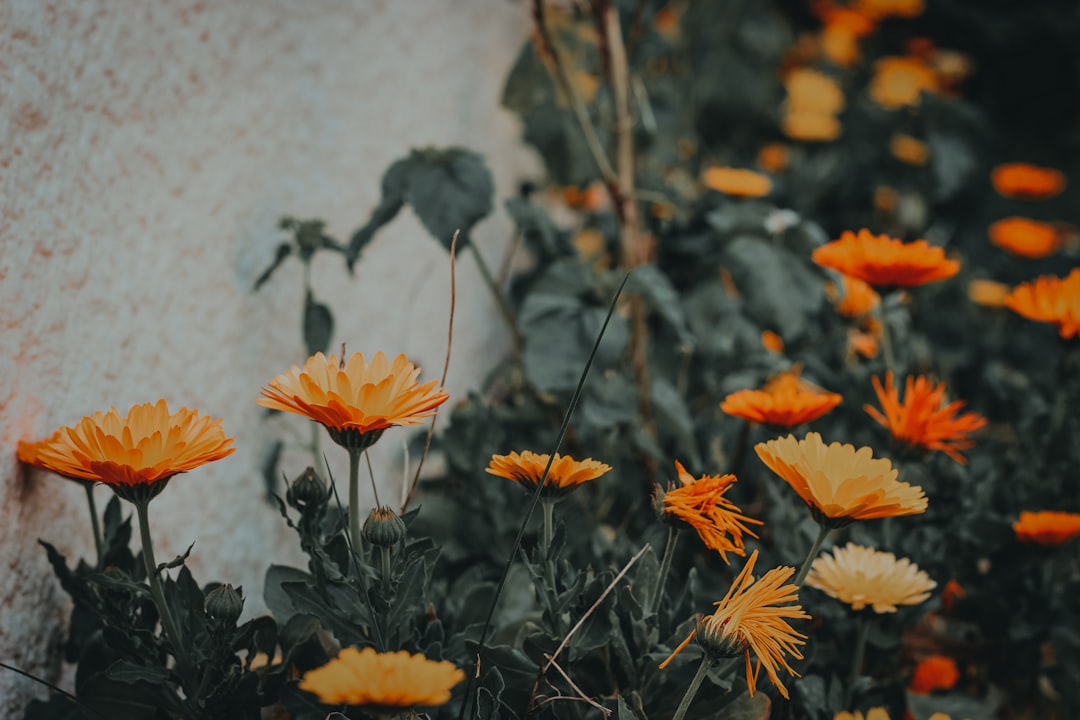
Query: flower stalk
(99, 543)
(804, 569)
(549, 562)
(665, 568)
(857, 658)
(695, 684)
(354, 495)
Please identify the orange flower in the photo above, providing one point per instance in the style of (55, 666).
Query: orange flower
(1027, 182)
(701, 505)
(593, 197)
(988, 293)
(1047, 527)
(909, 150)
(864, 577)
(810, 90)
(786, 401)
(861, 343)
(752, 617)
(772, 342)
(136, 454)
(878, 713)
(883, 261)
(839, 483)
(527, 468)
(950, 594)
(900, 81)
(774, 157)
(355, 400)
(1025, 237)
(1052, 300)
(383, 680)
(936, 672)
(924, 419)
(851, 19)
(737, 181)
(857, 300)
(881, 9)
(807, 126)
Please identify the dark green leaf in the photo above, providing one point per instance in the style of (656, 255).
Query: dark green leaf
(318, 325)
(283, 251)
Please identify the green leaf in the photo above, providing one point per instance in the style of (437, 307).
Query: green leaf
(662, 298)
(128, 672)
(450, 190)
(673, 420)
(283, 251)
(277, 600)
(318, 325)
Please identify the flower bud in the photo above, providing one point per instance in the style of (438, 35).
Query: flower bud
(308, 489)
(224, 604)
(383, 527)
(711, 637)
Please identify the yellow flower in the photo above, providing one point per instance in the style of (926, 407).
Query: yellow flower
(701, 505)
(737, 181)
(527, 468)
(134, 454)
(384, 680)
(861, 576)
(355, 400)
(752, 618)
(839, 483)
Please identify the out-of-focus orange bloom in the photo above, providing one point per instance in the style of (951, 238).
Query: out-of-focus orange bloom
(772, 342)
(886, 199)
(1047, 527)
(899, 80)
(774, 157)
(909, 150)
(846, 17)
(950, 594)
(854, 299)
(883, 261)
(668, 18)
(1026, 181)
(862, 343)
(881, 9)
(813, 91)
(806, 126)
(988, 293)
(739, 182)
(924, 419)
(1050, 299)
(593, 197)
(936, 672)
(1025, 237)
(840, 45)
(785, 401)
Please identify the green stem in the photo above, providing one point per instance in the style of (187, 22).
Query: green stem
(886, 341)
(857, 660)
(549, 563)
(500, 300)
(354, 498)
(691, 691)
(665, 568)
(99, 544)
(823, 532)
(384, 566)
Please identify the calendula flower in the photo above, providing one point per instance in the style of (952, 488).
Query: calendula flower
(864, 577)
(901, 80)
(878, 713)
(786, 401)
(881, 9)
(810, 90)
(924, 419)
(952, 593)
(909, 150)
(753, 618)
(1051, 300)
(854, 298)
(527, 468)
(382, 680)
(1047, 527)
(772, 342)
(701, 505)
(134, 454)
(839, 483)
(861, 343)
(737, 181)
(355, 400)
(1026, 181)
(937, 672)
(1025, 237)
(774, 157)
(810, 126)
(988, 293)
(883, 261)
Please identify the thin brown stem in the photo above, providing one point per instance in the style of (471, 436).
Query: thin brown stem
(500, 301)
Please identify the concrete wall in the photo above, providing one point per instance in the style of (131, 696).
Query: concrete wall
(148, 149)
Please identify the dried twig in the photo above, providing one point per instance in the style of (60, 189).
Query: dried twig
(575, 688)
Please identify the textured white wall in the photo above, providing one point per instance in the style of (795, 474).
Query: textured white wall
(146, 153)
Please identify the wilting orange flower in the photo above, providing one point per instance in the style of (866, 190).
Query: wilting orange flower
(864, 577)
(937, 672)
(701, 505)
(878, 713)
(752, 617)
(909, 150)
(1027, 182)
(527, 468)
(737, 181)
(924, 419)
(355, 400)
(950, 594)
(134, 454)
(786, 401)
(1052, 300)
(988, 293)
(774, 157)
(811, 90)
(1047, 527)
(385, 680)
(839, 483)
(900, 81)
(1025, 237)
(854, 299)
(772, 342)
(883, 261)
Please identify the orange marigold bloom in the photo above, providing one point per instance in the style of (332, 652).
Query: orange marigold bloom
(526, 469)
(900, 81)
(737, 181)
(854, 299)
(839, 483)
(810, 90)
(883, 261)
(593, 197)
(774, 157)
(950, 594)
(937, 672)
(909, 150)
(382, 680)
(355, 400)
(878, 713)
(753, 617)
(808, 126)
(851, 19)
(923, 419)
(1027, 182)
(988, 293)
(881, 9)
(864, 577)
(786, 401)
(861, 343)
(772, 342)
(1025, 237)
(1047, 527)
(1052, 300)
(135, 454)
(701, 505)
